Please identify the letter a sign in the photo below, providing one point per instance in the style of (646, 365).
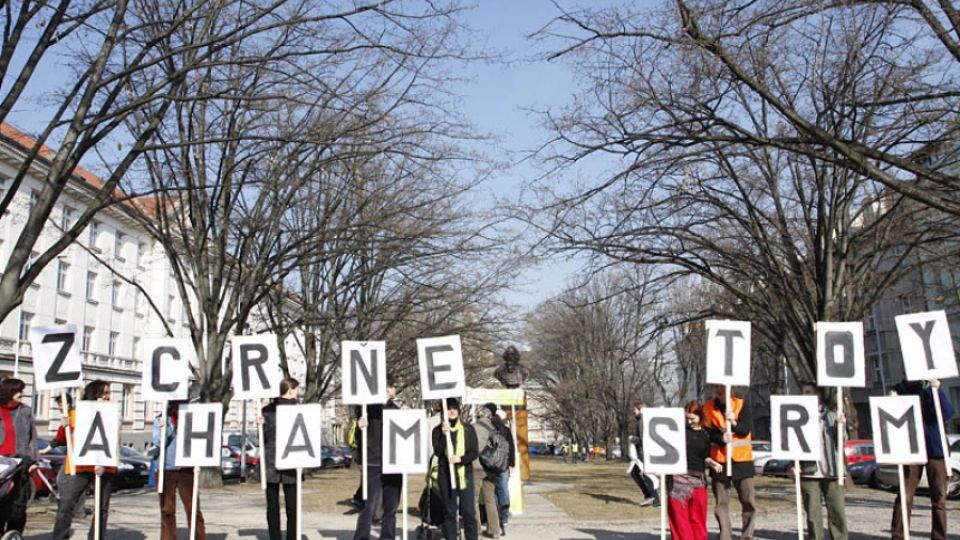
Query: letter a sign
(405, 434)
(926, 345)
(840, 358)
(898, 430)
(166, 369)
(363, 368)
(97, 434)
(795, 427)
(256, 366)
(664, 440)
(56, 357)
(441, 367)
(728, 353)
(299, 431)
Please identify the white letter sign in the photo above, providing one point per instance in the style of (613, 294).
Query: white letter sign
(97, 435)
(664, 440)
(363, 370)
(728, 353)
(56, 357)
(405, 435)
(199, 435)
(795, 428)
(166, 369)
(441, 367)
(898, 430)
(840, 357)
(256, 366)
(299, 430)
(926, 346)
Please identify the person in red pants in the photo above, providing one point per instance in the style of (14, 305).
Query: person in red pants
(687, 502)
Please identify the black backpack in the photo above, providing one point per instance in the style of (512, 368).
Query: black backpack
(495, 456)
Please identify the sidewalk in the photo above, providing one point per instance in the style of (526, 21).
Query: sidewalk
(240, 515)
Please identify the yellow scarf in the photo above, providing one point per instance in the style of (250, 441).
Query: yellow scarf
(459, 447)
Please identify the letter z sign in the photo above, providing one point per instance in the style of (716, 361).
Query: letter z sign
(56, 357)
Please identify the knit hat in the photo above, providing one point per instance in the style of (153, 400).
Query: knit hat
(492, 407)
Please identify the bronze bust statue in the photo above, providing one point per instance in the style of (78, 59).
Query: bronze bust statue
(511, 374)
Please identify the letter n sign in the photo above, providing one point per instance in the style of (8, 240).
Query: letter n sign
(363, 371)
(728, 353)
(56, 357)
(441, 367)
(199, 435)
(664, 440)
(898, 430)
(166, 368)
(405, 434)
(795, 427)
(299, 432)
(926, 345)
(840, 358)
(256, 366)
(97, 435)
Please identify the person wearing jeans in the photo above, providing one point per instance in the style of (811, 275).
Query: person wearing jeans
(935, 467)
(383, 487)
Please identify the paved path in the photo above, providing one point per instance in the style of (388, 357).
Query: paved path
(239, 515)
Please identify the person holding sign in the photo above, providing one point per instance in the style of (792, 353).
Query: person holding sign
(458, 501)
(819, 479)
(75, 486)
(18, 438)
(651, 497)
(289, 395)
(717, 413)
(176, 480)
(936, 466)
(380, 486)
(687, 504)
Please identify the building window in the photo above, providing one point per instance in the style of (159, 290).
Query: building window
(137, 302)
(115, 297)
(141, 253)
(66, 218)
(63, 272)
(92, 286)
(118, 246)
(126, 402)
(135, 348)
(39, 404)
(87, 338)
(25, 319)
(112, 344)
(94, 235)
(170, 302)
(34, 199)
(59, 322)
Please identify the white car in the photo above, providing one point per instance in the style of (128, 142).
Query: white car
(887, 475)
(761, 455)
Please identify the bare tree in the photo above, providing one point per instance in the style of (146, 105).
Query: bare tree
(595, 352)
(790, 234)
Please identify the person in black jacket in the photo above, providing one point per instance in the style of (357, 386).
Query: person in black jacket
(289, 394)
(646, 485)
(379, 486)
(458, 497)
(503, 479)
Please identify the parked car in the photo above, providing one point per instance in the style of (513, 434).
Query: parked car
(862, 472)
(887, 475)
(134, 469)
(252, 445)
(229, 465)
(858, 450)
(536, 449)
(777, 467)
(253, 460)
(761, 455)
(347, 454)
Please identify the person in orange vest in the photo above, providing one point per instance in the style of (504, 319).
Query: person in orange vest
(75, 486)
(716, 416)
